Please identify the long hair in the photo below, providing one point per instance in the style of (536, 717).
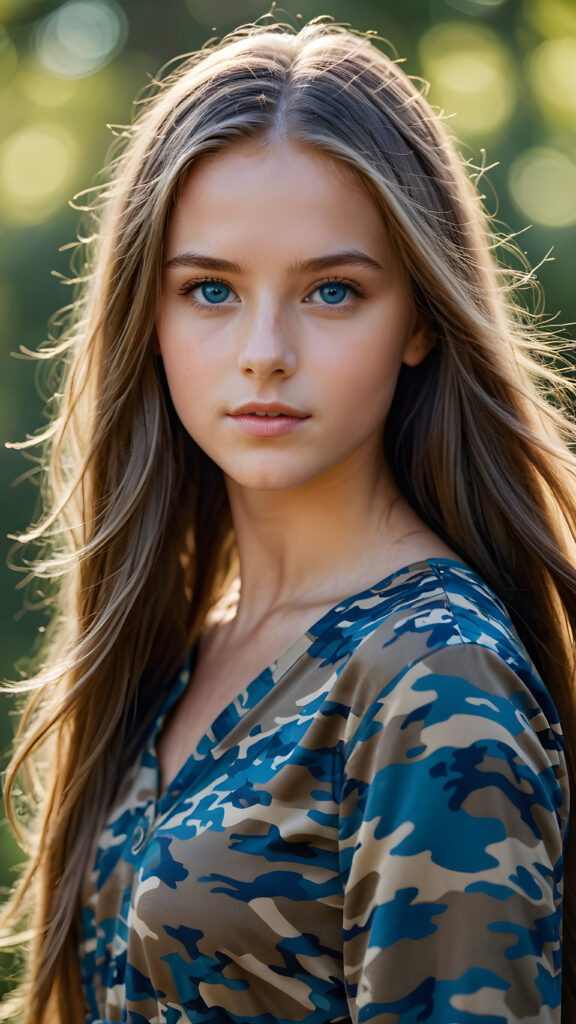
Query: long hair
(137, 530)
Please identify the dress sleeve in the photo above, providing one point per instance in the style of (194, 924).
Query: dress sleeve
(452, 819)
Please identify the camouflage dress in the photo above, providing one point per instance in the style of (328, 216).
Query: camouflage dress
(371, 831)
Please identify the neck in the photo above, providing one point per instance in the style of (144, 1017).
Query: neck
(318, 543)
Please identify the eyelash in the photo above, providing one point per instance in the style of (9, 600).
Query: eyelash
(189, 287)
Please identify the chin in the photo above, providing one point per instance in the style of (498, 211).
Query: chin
(267, 484)
(270, 480)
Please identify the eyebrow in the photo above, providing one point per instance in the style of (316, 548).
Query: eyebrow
(333, 259)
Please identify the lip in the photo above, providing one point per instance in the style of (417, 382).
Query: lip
(247, 422)
(251, 407)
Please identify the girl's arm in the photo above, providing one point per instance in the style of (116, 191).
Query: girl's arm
(453, 814)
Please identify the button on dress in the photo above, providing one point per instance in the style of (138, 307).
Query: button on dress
(371, 831)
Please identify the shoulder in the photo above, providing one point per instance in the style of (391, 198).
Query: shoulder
(421, 610)
(426, 605)
(446, 712)
(443, 652)
(453, 804)
(440, 603)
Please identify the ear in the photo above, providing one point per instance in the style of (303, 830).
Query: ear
(421, 340)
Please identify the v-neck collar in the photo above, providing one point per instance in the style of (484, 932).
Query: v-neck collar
(229, 716)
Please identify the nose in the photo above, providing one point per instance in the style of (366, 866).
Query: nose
(265, 346)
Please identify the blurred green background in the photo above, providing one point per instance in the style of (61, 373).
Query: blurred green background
(505, 70)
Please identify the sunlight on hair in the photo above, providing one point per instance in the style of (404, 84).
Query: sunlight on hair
(552, 73)
(36, 165)
(472, 76)
(80, 37)
(552, 18)
(543, 186)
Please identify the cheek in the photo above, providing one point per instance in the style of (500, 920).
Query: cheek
(187, 379)
(180, 354)
(367, 365)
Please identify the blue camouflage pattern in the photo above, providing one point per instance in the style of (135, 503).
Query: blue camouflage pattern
(371, 831)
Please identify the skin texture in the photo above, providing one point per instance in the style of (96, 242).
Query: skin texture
(275, 337)
(316, 512)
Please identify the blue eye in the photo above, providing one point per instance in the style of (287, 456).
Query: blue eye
(333, 292)
(214, 292)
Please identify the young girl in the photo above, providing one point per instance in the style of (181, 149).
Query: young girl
(295, 741)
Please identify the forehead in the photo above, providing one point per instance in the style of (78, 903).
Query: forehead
(292, 195)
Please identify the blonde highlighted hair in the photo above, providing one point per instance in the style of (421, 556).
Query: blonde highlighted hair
(137, 530)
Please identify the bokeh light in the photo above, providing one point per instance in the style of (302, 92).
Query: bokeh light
(543, 186)
(80, 37)
(36, 166)
(8, 57)
(42, 88)
(12, 9)
(552, 73)
(472, 76)
(477, 7)
(552, 18)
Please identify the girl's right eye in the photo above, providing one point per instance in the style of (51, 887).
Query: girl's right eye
(209, 292)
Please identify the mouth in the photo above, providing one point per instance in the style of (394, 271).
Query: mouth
(271, 410)
(267, 420)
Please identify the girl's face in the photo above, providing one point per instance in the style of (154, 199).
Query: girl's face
(283, 294)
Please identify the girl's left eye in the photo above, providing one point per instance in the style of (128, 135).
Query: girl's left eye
(333, 293)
